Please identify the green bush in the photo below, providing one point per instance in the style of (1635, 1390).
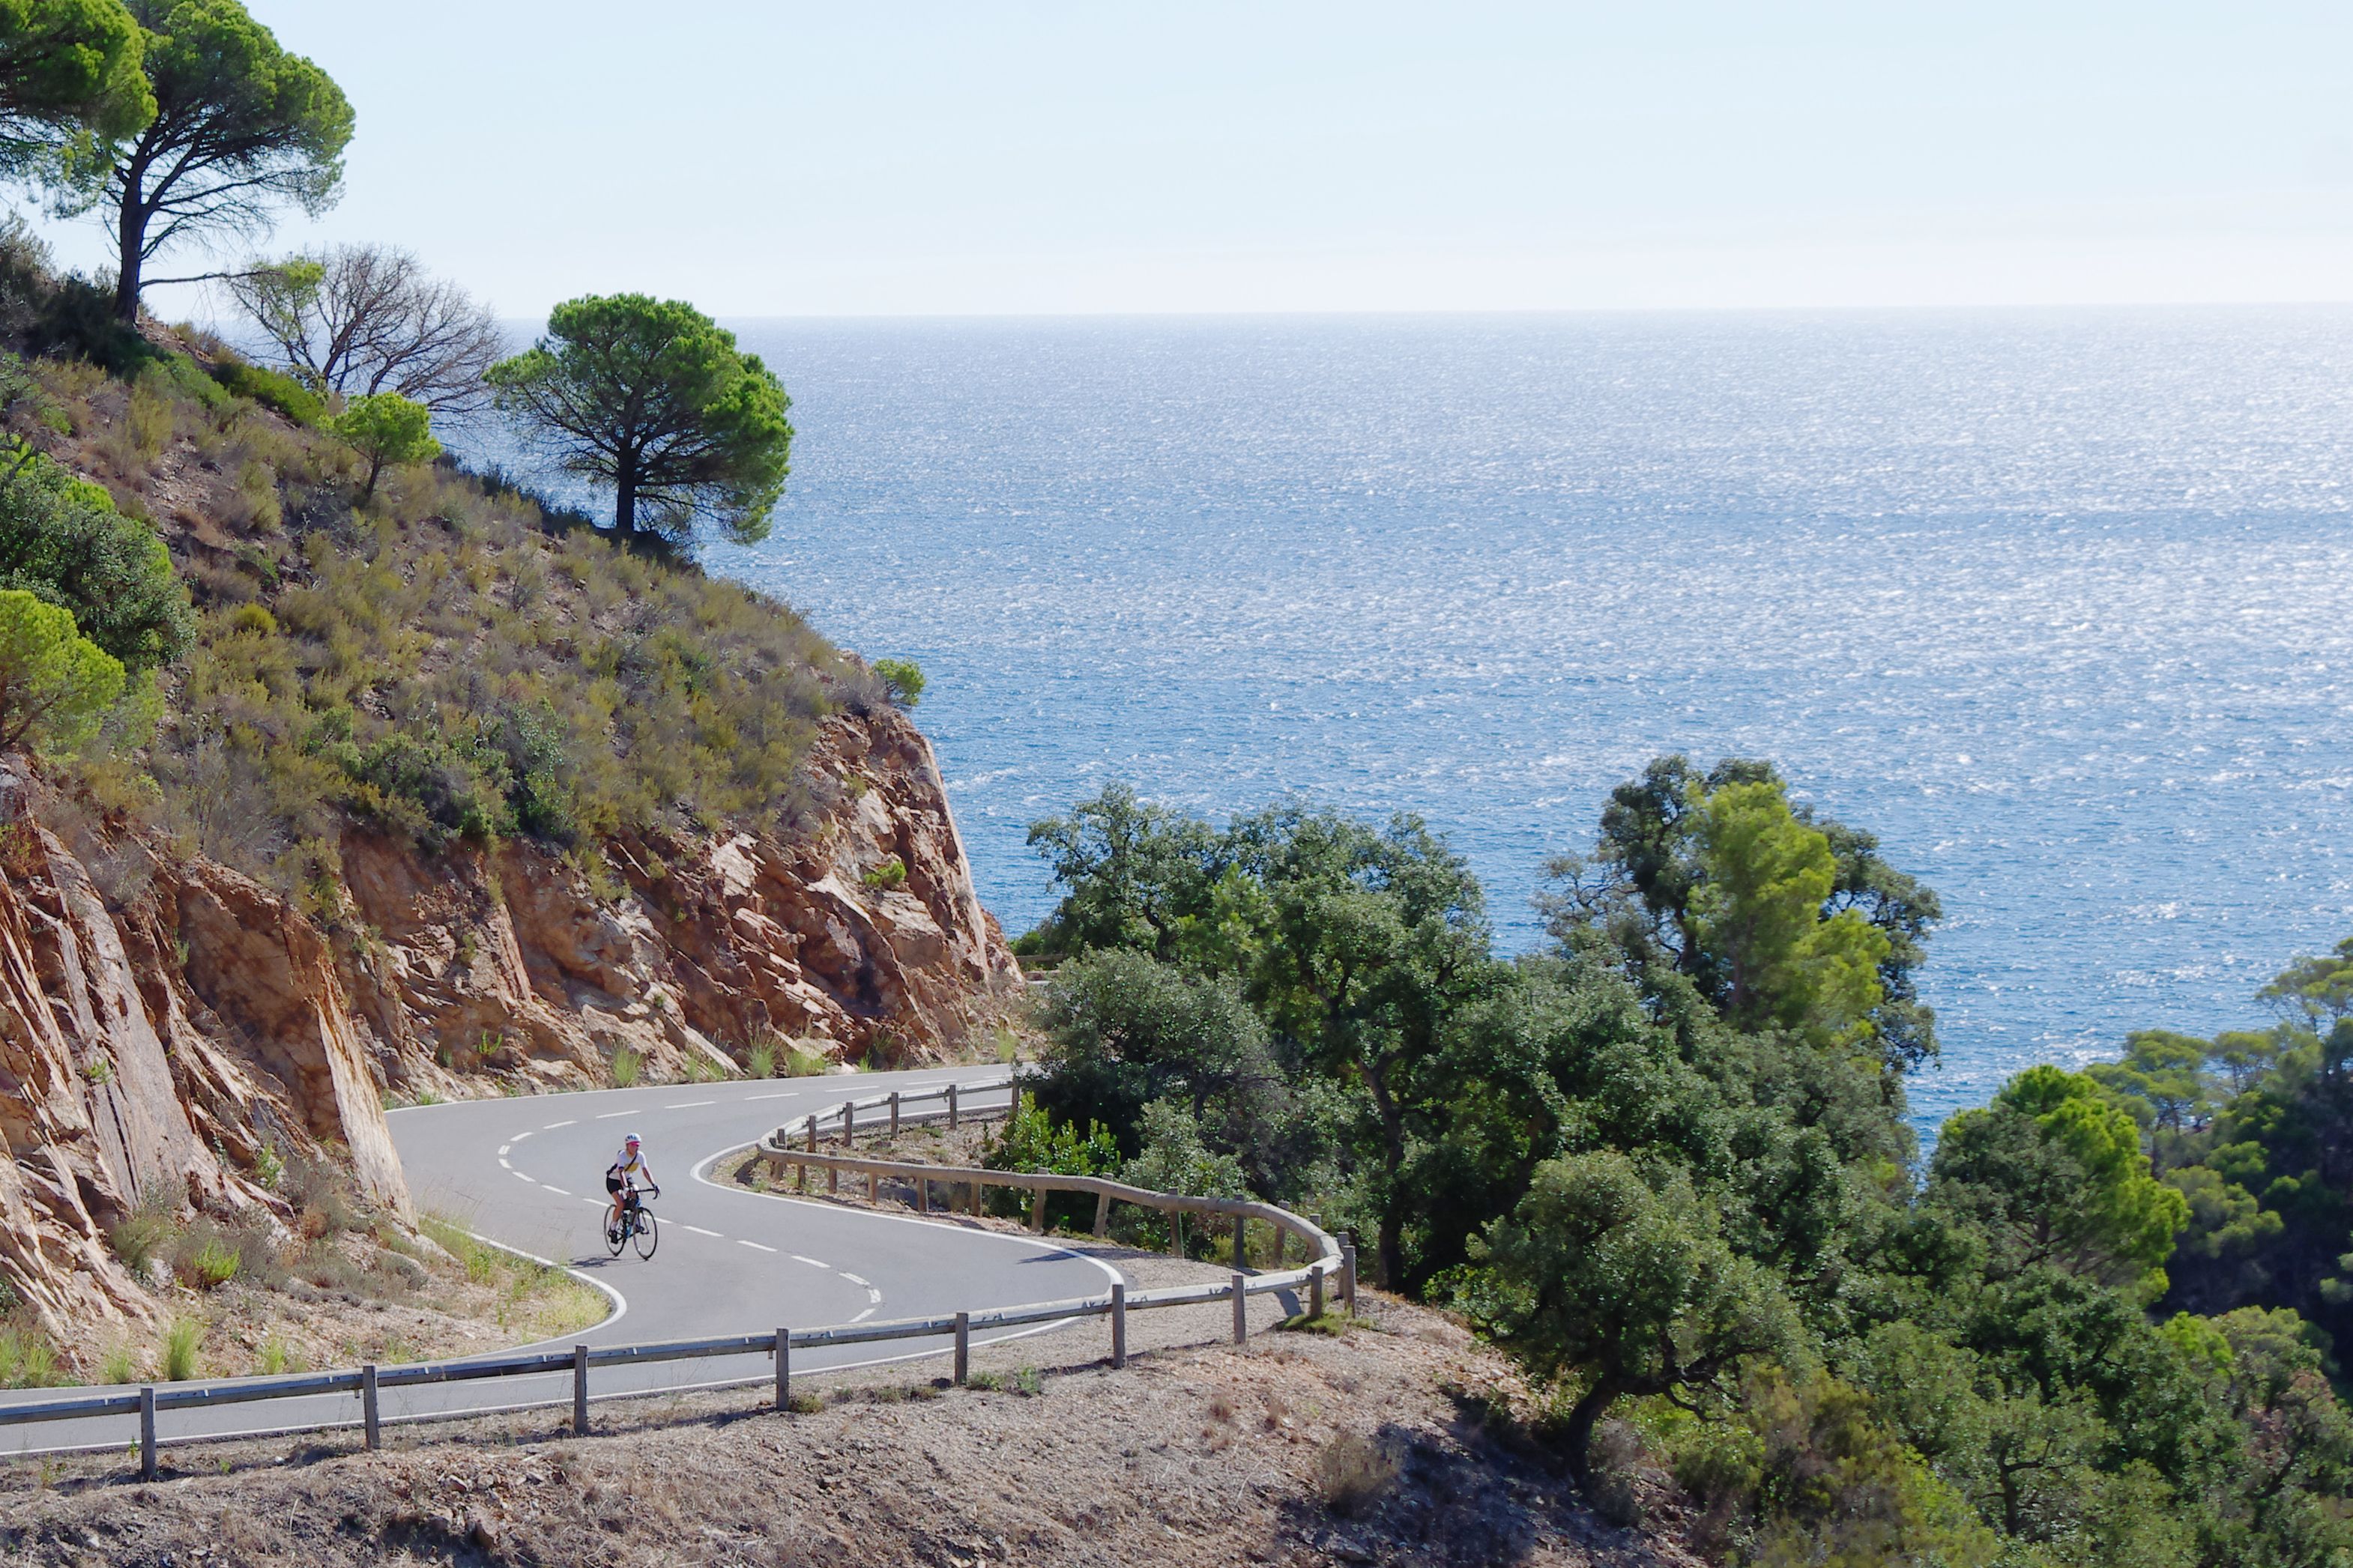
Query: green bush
(626, 1064)
(28, 1360)
(883, 879)
(902, 679)
(181, 1342)
(62, 541)
(273, 389)
(427, 789)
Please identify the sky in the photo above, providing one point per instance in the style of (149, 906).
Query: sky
(917, 158)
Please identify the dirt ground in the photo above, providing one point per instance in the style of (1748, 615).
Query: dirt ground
(1375, 1445)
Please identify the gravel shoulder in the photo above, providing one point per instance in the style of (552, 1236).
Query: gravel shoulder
(1374, 1444)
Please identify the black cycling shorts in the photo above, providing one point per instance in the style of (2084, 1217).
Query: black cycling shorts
(612, 1183)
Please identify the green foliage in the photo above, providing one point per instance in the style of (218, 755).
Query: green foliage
(626, 1065)
(384, 428)
(902, 678)
(62, 539)
(891, 873)
(182, 1342)
(2052, 1171)
(760, 1061)
(55, 685)
(654, 400)
(1031, 1142)
(240, 127)
(1760, 908)
(1652, 893)
(273, 389)
(70, 79)
(28, 1359)
(1622, 1278)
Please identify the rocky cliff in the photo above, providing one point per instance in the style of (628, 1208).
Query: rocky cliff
(174, 1037)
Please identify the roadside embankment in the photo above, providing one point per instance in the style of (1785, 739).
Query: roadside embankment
(1375, 1445)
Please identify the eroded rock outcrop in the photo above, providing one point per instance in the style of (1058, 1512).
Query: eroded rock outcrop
(156, 1038)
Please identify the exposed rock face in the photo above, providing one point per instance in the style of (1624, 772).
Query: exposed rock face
(861, 933)
(154, 1041)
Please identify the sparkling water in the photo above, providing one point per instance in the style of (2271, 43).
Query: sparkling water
(2055, 603)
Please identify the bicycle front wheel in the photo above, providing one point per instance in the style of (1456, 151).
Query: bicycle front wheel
(648, 1233)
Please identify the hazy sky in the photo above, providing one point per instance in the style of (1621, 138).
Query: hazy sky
(779, 158)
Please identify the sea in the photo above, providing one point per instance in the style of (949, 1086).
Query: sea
(2055, 603)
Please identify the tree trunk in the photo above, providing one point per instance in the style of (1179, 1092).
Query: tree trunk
(625, 501)
(1582, 1416)
(130, 239)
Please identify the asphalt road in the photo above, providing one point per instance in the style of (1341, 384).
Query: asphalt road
(528, 1173)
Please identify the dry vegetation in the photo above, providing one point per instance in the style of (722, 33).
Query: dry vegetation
(446, 659)
(1383, 1445)
(337, 1286)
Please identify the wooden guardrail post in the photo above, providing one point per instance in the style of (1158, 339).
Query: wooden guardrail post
(580, 1391)
(1241, 1241)
(951, 1107)
(1038, 1211)
(369, 1423)
(1241, 1312)
(962, 1347)
(1118, 1323)
(1348, 1272)
(783, 1369)
(147, 1432)
(1316, 1292)
(923, 1194)
(833, 1178)
(848, 1122)
(894, 1113)
(1176, 1233)
(812, 1133)
(1103, 1214)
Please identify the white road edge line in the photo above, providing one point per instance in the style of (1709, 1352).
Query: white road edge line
(1045, 1246)
(756, 1246)
(559, 1192)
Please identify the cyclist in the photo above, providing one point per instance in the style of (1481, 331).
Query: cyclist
(623, 1177)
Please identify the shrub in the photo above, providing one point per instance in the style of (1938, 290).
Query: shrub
(883, 879)
(274, 390)
(207, 1265)
(626, 1064)
(118, 1366)
(28, 1360)
(1352, 1473)
(761, 1060)
(901, 679)
(181, 1342)
(62, 541)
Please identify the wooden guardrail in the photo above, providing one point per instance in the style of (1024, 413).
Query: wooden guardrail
(1331, 1265)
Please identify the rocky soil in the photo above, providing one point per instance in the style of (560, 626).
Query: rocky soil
(1378, 1445)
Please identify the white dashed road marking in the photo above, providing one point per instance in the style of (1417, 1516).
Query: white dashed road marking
(559, 1192)
(519, 1177)
(741, 1241)
(689, 1105)
(609, 1115)
(504, 1147)
(873, 1295)
(854, 1280)
(711, 1234)
(863, 1315)
(752, 1097)
(554, 1125)
(521, 1136)
(812, 1262)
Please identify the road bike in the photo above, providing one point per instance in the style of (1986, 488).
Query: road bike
(637, 1225)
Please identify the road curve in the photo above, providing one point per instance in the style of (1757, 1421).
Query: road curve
(528, 1173)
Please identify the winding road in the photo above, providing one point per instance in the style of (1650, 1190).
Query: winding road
(528, 1174)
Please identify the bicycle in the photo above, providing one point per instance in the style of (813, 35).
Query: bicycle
(637, 1225)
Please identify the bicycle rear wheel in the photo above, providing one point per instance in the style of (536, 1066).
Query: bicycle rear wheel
(617, 1237)
(648, 1233)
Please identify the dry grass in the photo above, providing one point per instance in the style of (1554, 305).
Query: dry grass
(1097, 1468)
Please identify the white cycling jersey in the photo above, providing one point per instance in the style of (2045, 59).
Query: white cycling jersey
(633, 1167)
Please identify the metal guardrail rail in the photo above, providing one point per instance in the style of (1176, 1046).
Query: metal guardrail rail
(1332, 1264)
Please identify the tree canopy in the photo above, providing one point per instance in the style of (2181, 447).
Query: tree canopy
(357, 319)
(70, 81)
(54, 684)
(1667, 1164)
(241, 128)
(651, 399)
(384, 428)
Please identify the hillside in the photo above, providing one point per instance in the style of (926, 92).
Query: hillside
(441, 795)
